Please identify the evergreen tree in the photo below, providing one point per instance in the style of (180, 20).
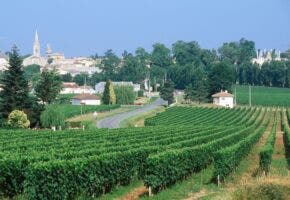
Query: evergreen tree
(49, 86)
(15, 93)
(166, 92)
(109, 96)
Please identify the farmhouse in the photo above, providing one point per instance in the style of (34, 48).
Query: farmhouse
(223, 98)
(86, 99)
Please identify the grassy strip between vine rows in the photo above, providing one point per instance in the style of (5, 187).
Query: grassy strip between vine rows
(227, 160)
(286, 129)
(266, 152)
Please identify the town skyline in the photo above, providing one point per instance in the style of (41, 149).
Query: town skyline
(88, 27)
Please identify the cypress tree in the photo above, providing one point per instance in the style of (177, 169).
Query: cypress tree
(109, 96)
(15, 90)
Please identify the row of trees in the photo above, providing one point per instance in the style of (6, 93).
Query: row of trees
(118, 94)
(188, 65)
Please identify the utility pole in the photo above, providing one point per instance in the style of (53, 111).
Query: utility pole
(250, 96)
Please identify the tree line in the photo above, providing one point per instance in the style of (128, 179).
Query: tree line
(186, 64)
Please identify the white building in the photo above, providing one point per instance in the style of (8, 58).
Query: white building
(100, 87)
(73, 88)
(86, 99)
(224, 99)
(266, 56)
(3, 61)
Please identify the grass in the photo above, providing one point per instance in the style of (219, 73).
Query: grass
(198, 184)
(138, 121)
(264, 96)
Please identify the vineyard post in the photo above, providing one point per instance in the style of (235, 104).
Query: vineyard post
(150, 191)
(250, 96)
(218, 179)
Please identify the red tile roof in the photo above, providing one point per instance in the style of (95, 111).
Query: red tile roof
(222, 94)
(86, 97)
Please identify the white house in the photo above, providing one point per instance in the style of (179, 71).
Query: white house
(100, 87)
(73, 88)
(86, 99)
(223, 98)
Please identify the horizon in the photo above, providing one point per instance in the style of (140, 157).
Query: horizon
(83, 29)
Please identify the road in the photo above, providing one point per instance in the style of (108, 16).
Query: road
(115, 120)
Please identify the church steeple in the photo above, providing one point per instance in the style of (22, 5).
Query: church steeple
(36, 46)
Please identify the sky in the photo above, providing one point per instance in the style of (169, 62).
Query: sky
(86, 27)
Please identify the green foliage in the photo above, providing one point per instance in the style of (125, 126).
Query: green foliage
(69, 110)
(132, 69)
(166, 92)
(263, 96)
(268, 149)
(49, 86)
(140, 93)
(109, 96)
(265, 191)
(109, 65)
(199, 91)
(81, 79)
(62, 165)
(221, 77)
(52, 116)
(226, 160)
(32, 73)
(67, 77)
(15, 93)
(125, 95)
(18, 119)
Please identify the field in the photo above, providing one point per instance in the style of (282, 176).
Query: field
(264, 96)
(73, 110)
(176, 144)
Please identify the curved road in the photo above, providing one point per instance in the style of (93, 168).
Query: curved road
(114, 121)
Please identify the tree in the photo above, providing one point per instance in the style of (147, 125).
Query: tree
(125, 94)
(221, 77)
(18, 119)
(198, 91)
(131, 70)
(48, 86)
(166, 92)
(109, 96)
(15, 90)
(81, 78)
(186, 52)
(109, 65)
(67, 77)
(52, 116)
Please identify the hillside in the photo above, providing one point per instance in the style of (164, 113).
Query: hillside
(192, 148)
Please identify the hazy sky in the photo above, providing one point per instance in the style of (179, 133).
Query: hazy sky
(83, 27)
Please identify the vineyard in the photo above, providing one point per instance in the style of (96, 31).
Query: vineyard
(174, 145)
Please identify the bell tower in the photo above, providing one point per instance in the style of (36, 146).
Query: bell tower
(36, 46)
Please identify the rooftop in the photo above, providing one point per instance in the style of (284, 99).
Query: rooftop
(223, 94)
(86, 97)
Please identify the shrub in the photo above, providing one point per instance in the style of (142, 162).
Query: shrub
(140, 93)
(18, 119)
(52, 116)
